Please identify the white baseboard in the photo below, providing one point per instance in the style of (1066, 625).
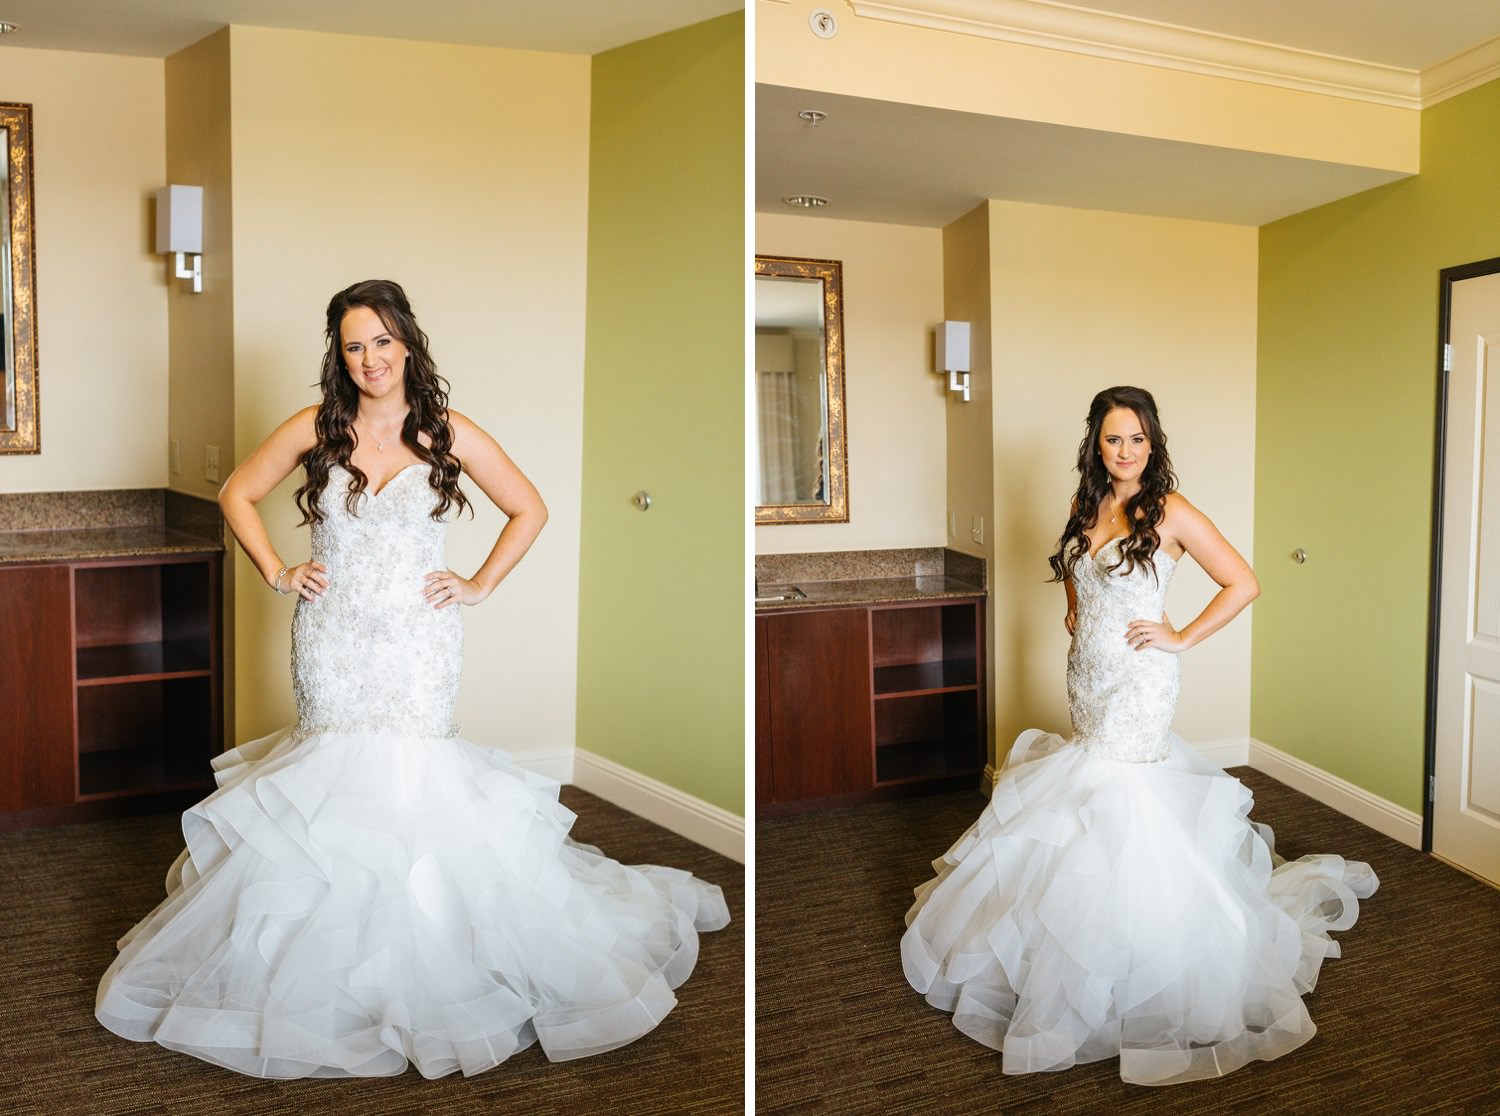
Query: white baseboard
(699, 821)
(554, 764)
(1233, 751)
(1381, 815)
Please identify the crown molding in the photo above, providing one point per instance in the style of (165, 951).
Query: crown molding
(1058, 26)
(1464, 71)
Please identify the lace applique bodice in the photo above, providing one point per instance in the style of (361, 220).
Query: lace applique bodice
(1122, 700)
(371, 652)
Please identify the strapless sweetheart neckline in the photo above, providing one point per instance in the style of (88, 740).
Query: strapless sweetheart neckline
(375, 492)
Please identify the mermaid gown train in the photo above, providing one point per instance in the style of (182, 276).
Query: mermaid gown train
(368, 889)
(1113, 899)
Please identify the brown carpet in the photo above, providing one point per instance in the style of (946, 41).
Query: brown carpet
(66, 894)
(1408, 1019)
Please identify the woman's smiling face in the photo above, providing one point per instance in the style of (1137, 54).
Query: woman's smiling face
(1123, 445)
(375, 358)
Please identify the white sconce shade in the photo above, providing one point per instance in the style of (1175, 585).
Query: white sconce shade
(179, 230)
(952, 353)
(953, 347)
(179, 219)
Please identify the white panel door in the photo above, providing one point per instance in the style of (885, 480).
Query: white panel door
(1466, 804)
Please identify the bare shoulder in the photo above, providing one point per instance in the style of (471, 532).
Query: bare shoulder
(1178, 509)
(297, 434)
(1182, 524)
(467, 434)
(305, 421)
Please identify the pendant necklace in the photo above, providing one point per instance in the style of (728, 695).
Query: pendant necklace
(380, 442)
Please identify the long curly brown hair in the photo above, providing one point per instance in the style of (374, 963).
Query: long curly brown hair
(1143, 511)
(426, 396)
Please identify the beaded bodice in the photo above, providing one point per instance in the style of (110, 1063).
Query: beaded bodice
(371, 652)
(1122, 700)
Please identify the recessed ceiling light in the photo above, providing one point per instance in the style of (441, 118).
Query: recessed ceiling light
(814, 117)
(6, 27)
(806, 201)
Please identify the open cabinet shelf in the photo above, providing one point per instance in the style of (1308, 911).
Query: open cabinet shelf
(859, 702)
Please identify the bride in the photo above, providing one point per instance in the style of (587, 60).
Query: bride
(366, 888)
(1113, 899)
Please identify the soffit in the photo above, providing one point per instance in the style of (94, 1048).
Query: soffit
(907, 164)
(917, 165)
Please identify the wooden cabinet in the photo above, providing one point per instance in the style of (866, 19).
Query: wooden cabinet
(818, 686)
(112, 685)
(864, 702)
(36, 681)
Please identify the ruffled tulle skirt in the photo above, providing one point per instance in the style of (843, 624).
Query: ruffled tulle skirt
(1100, 909)
(349, 902)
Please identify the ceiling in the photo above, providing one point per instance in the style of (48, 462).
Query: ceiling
(157, 28)
(915, 165)
(1411, 34)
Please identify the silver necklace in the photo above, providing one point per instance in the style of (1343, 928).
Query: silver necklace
(380, 442)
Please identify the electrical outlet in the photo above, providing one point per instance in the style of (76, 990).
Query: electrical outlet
(175, 457)
(211, 463)
(976, 528)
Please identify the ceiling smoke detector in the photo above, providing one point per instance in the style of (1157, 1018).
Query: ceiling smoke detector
(806, 201)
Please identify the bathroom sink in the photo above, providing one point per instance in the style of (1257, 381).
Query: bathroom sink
(769, 593)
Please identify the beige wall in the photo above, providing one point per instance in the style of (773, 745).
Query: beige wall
(970, 426)
(462, 173)
(201, 326)
(101, 292)
(1083, 300)
(893, 297)
(970, 429)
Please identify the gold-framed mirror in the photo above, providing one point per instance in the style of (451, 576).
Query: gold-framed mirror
(801, 466)
(20, 431)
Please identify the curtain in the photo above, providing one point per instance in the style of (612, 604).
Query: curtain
(777, 404)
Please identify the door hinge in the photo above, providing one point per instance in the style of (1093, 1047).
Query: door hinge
(1432, 788)
(1447, 356)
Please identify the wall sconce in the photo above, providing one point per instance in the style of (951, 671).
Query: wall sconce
(953, 355)
(179, 229)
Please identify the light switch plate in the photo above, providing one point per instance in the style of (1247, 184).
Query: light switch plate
(174, 456)
(211, 463)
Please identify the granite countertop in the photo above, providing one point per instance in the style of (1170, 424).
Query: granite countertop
(868, 590)
(101, 542)
(866, 577)
(123, 523)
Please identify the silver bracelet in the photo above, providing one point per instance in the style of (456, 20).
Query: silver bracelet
(276, 583)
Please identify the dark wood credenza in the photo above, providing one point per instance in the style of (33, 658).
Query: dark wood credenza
(864, 702)
(111, 685)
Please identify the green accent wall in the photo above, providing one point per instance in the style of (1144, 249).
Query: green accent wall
(661, 660)
(1346, 406)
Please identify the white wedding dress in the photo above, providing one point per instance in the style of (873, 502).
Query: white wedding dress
(1113, 899)
(367, 889)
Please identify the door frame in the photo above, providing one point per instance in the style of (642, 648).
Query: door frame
(1446, 278)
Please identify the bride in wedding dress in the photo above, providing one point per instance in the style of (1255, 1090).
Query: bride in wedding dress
(366, 889)
(1113, 899)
